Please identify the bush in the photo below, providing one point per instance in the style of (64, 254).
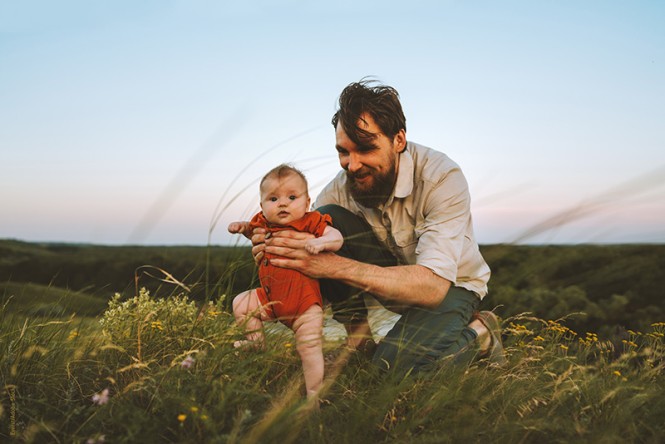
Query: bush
(159, 330)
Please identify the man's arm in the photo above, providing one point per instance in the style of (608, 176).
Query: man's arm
(402, 284)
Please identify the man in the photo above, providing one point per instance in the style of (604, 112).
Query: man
(404, 211)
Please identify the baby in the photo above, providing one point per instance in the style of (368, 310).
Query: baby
(288, 295)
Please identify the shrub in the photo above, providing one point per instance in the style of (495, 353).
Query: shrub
(160, 330)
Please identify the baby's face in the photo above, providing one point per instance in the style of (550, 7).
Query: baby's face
(284, 199)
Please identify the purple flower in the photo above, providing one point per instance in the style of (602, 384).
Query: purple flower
(187, 362)
(101, 398)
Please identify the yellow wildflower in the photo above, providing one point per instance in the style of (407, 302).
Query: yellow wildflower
(182, 417)
(157, 325)
(212, 313)
(194, 409)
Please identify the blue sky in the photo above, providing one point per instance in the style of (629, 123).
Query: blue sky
(146, 122)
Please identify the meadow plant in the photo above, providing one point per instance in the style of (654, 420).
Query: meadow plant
(158, 330)
(165, 370)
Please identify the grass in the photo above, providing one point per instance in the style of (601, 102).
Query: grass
(172, 375)
(41, 300)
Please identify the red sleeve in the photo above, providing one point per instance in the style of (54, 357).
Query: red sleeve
(258, 221)
(315, 223)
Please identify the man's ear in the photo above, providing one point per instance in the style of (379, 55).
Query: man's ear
(399, 141)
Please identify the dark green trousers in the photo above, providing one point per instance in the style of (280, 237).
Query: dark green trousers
(422, 336)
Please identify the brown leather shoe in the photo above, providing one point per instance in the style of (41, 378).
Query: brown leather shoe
(495, 354)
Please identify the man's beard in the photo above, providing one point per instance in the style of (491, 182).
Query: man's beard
(379, 191)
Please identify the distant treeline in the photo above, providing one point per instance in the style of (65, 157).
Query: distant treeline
(615, 285)
(106, 270)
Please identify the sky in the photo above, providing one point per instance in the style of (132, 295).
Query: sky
(151, 122)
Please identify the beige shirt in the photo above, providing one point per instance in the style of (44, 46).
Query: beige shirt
(427, 220)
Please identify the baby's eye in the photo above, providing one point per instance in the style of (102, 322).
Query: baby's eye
(273, 199)
(292, 197)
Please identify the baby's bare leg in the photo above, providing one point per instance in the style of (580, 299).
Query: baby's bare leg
(247, 311)
(309, 343)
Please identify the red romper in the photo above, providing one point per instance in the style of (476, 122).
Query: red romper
(286, 294)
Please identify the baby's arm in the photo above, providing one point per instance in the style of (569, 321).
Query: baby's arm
(331, 240)
(241, 227)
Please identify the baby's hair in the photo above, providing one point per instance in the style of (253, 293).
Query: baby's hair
(284, 170)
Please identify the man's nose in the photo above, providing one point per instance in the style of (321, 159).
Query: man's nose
(354, 163)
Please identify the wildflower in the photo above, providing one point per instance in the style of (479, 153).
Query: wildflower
(157, 325)
(563, 347)
(72, 335)
(617, 372)
(182, 417)
(194, 409)
(629, 343)
(204, 417)
(538, 338)
(212, 313)
(288, 345)
(187, 362)
(101, 398)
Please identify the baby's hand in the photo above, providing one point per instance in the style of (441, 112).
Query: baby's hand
(314, 247)
(236, 227)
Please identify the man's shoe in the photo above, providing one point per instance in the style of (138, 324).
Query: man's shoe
(495, 354)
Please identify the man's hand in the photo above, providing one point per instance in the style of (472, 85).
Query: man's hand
(291, 247)
(258, 244)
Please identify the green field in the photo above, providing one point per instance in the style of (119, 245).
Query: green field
(80, 365)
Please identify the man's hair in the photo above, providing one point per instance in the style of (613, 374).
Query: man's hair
(284, 170)
(379, 101)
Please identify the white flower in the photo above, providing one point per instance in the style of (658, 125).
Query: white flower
(101, 398)
(187, 362)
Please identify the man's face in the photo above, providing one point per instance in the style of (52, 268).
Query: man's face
(284, 199)
(371, 167)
